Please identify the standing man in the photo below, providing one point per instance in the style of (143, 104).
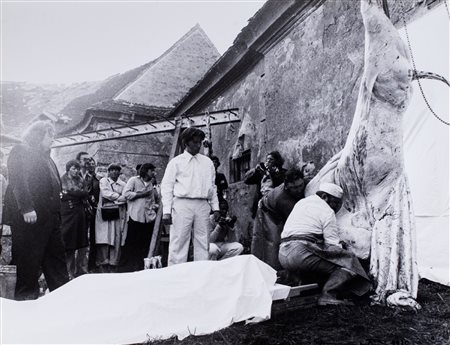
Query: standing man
(273, 210)
(83, 158)
(188, 194)
(310, 245)
(82, 253)
(94, 194)
(266, 176)
(221, 180)
(33, 209)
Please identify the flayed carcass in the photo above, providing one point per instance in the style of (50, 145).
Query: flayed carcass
(377, 219)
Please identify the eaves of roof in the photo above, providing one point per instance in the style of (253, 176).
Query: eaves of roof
(267, 27)
(128, 108)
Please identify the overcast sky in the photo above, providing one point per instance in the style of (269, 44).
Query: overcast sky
(75, 41)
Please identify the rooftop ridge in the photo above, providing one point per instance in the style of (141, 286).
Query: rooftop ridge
(154, 63)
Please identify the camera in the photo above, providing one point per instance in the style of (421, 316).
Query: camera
(262, 166)
(229, 221)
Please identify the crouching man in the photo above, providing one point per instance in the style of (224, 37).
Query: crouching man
(310, 246)
(223, 238)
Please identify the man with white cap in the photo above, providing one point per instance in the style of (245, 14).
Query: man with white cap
(310, 246)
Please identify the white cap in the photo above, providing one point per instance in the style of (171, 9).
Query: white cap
(332, 189)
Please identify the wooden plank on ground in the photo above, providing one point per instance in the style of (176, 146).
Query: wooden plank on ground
(291, 304)
(296, 299)
(297, 290)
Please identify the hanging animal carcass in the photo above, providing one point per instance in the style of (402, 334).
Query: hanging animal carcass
(377, 219)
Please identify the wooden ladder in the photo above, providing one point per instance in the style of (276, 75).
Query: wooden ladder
(156, 235)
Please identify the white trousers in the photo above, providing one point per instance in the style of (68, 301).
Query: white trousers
(224, 250)
(190, 217)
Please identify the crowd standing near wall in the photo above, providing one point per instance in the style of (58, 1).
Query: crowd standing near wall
(107, 225)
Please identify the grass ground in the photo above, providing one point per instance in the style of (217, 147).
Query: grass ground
(359, 325)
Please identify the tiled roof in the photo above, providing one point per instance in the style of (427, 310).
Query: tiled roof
(151, 88)
(168, 79)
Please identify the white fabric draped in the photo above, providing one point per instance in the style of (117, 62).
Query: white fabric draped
(426, 145)
(192, 298)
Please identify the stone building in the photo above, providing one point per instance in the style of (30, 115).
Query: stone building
(144, 94)
(294, 73)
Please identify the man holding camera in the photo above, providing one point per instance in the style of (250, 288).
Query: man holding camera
(223, 238)
(266, 176)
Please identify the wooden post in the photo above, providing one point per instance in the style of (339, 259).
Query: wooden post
(158, 221)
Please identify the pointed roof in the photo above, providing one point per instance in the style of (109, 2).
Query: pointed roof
(160, 83)
(174, 73)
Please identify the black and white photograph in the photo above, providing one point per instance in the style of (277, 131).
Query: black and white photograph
(255, 172)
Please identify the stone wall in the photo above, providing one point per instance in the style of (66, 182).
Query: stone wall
(300, 98)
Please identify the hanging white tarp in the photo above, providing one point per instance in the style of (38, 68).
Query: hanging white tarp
(192, 298)
(426, 145)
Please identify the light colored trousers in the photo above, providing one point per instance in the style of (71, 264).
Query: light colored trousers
(224, 250)
(189, 216)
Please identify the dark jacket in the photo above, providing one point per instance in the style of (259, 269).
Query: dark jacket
(222, 185)
(34, 184)
(279, 203)
(271, 215)
(257, 176)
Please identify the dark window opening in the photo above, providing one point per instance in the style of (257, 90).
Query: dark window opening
(239, 166)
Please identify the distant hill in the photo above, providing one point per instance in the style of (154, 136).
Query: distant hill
(159, 84)
(21, 101)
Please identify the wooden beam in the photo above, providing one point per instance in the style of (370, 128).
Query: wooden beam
(154, 242)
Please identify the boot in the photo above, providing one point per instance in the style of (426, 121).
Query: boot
(333, 286)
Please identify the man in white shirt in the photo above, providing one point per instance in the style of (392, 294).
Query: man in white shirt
(310, 246)
(188, 194)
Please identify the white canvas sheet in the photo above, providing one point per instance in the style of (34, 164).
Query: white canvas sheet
(192, 298)
(426, 145)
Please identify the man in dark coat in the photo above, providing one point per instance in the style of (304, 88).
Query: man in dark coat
(273, 210)
(94, 193)
(32, 208)
(221, 180)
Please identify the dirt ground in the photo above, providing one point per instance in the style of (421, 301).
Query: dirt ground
(360, 325)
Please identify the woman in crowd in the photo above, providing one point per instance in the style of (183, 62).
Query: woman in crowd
(266, 176)
(110, 220)
(73, 219)
(142, 200)
(32, 208)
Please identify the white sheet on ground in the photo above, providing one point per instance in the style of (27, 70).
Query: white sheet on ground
(193, 298)
(426, 145)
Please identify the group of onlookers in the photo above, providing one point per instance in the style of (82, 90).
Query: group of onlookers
(69, 226)
(80, 222)
(119, 215)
